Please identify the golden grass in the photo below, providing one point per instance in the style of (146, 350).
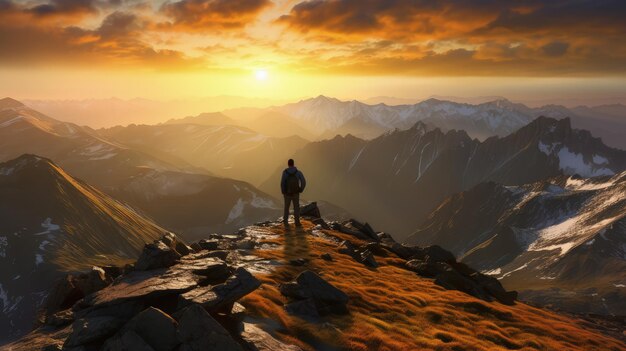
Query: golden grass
(395, 309)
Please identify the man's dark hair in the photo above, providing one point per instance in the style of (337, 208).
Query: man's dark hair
(290, 162)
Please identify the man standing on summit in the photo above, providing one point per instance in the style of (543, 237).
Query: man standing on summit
(292, 184)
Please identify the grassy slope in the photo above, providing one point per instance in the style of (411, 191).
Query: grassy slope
(394, 309)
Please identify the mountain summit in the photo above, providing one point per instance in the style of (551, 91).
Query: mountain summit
(324, 286)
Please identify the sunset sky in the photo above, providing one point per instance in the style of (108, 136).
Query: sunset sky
(284, 49)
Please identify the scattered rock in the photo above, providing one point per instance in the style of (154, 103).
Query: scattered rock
(85, 331)
(363, 228)
(321, 223)
(367, 258)
(298, 262)
(156, 255)
(256, 339)
(246, 244)
(310, 210)
(362, 255)
(198, 331)
(209, 244)
(343, 229)
(308, 285)
(326, 257)
(221, 254)
(218, 297)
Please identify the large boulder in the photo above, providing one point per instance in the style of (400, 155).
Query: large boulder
(198, 331)
(156, 255)
(310, 210)
(308, 285)
(222, 296)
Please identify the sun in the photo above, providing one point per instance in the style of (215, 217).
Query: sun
(260, 74)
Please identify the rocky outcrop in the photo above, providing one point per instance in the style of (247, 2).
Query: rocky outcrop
(164, 302)
(458, 276)
(313, 296)
(162, 253)
(431, 262)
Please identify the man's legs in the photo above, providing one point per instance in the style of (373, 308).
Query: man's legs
(286, 211)
(296, 208)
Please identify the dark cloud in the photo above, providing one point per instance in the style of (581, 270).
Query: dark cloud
(64, 7)
(116, 42)
(201, 15)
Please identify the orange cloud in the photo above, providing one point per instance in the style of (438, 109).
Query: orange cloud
(203, 15)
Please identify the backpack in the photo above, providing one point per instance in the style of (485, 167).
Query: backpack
(293, 183)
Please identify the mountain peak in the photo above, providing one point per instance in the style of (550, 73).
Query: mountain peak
(22, 162)
(324, 98)
(7, 103)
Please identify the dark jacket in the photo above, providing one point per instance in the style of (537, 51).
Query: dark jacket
(283, 180)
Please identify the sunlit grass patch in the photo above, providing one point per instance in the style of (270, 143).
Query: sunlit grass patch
(391, 308)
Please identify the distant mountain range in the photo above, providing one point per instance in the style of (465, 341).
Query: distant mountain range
(561, 241)
(395, 180)
(161, 185)
(324, 117)
(493, 118)
(51, 223)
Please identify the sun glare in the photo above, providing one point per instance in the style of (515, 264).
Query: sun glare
(260, 74)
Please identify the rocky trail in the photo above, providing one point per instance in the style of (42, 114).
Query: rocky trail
(324, 286)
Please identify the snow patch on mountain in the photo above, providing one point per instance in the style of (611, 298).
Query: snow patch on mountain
(49, 226)
(587, 184)
(260, 202)
(236, 211)
(573, 163)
